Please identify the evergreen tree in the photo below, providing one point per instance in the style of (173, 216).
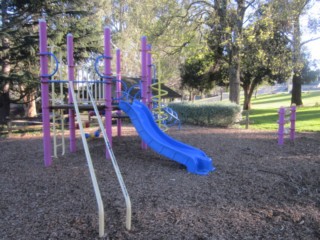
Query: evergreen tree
(196, 75)
(19, 42)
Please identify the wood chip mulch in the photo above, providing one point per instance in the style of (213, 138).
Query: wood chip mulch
(259, 190)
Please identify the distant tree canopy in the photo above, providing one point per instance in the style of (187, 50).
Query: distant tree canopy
(199, 76)
(263, 54)
(195, 73)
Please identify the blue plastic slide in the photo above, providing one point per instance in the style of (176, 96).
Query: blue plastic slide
(194, 159)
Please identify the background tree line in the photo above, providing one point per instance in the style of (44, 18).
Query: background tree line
(254, 42)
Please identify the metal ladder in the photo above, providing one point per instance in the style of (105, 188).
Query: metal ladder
(57, 115)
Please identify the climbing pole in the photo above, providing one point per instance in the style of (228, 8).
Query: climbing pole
(157, 110)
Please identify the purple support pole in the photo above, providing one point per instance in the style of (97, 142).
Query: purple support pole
(107, 72)
(144, 77)
(281, 122)
(144, 80)
(293, 122)
(45, 92)
(149, 77)
(70, 61)
(118, 88)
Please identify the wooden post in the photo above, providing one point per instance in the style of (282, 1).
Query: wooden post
(247, 119)
(9, 126)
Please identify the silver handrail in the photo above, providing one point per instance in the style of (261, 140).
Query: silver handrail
(89, 161)
(114, 161)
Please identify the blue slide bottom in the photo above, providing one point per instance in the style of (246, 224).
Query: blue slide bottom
(194, 159)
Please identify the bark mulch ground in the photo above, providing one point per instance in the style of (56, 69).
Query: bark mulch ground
(258, 191)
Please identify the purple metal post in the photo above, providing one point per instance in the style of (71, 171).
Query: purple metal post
(45, 92)
(144, 69)
(293, 122)
(149, 76)
(281, 123)
(70, 61)
(107, 72)
(144, 76)
(118, 88)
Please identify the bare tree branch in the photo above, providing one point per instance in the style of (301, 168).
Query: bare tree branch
(310, 40)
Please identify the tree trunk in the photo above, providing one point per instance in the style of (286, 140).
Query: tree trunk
(248, 92)
(296, 97)
(221, 93)
(247, 101)
(4, 104)
(31, 110)
(234, 79)
(190, 95)
(5, 97)
(234, 71)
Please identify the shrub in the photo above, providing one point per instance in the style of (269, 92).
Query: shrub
(208, 114)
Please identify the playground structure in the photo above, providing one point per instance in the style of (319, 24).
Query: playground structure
(99, 97)
(286, 115)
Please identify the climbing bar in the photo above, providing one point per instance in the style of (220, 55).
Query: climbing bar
(75, 81)
(136, 95)
(121, 88)
(157, 110)
(96, 67)
(56, 64)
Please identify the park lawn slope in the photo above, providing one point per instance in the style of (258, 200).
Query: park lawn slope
(284, 99)
(264, 113)
(308, 119)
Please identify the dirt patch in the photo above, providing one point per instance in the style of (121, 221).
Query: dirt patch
(258, 191)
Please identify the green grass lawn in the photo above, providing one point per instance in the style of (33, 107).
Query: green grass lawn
(264, 113)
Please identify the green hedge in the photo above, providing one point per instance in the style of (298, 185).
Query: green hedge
(208, 114)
